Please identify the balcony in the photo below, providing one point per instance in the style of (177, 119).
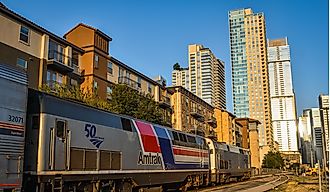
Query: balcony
(165, 102)
(197, 115)
(61, 62)
(75, 66)
(129, 82)
(212, 121)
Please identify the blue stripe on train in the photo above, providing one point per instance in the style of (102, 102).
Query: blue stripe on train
(168, 157)
(165, 147)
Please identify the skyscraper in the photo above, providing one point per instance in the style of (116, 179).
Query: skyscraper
(281, 95)
(316, 133)
(207, 76)
(324, 112)
(180, 77)
(249, 70)
(305, 136)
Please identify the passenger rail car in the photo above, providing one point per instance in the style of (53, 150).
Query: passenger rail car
(13, 97)
(227, 162)
(73, 147)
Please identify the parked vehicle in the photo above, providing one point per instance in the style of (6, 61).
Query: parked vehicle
(312, 172)
(13, 101)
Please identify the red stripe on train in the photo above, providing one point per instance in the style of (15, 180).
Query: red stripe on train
(189, 153)
(9, 185)
(11, 125)
(148, 137)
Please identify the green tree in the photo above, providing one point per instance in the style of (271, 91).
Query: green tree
(124, 100)
(273, 160)
(149, 110)
(176, 66)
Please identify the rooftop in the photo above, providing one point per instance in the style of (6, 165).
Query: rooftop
(90, 27)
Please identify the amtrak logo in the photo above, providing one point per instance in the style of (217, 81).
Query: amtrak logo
(91, 135)
(149, 159)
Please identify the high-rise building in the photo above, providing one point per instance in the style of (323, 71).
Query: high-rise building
(305, 137)
(207, 76)
(250, 71)
(316, 133)
(282, 97)
(180, 77)
(324, 112)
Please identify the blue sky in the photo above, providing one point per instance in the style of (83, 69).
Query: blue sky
(151, 36)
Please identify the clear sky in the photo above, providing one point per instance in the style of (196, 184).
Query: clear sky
(151, 35)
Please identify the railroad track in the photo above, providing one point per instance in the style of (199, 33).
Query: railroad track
(255, 185)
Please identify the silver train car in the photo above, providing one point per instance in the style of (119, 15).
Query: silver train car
(13, 97)
(73, 147)
(228, 162)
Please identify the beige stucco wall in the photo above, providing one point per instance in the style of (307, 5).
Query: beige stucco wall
(254, 146)
(9, 35)
(225, 127)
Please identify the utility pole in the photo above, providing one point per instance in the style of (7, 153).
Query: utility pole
(320, 181)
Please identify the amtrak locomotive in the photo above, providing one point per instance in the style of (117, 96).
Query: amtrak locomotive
(73, 147)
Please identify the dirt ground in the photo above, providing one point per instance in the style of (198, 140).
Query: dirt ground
(301, 184)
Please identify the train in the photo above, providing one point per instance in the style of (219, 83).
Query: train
(13, 104)
(69, 146)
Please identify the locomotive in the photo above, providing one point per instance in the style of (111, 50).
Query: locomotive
(74, 147)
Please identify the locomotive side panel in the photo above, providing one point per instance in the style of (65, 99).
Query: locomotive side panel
(75, 145)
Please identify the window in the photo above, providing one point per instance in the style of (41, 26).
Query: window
(109, 67)
(60, 78)
(149, 87)
(60, 129)
(139, 82)
(109, 92)
(54, 78)
(175, 136)
(24, 34)
(182, 137)
(121, 72)
(126, 123)
(96, 61)
(95, 85)
(22, 63)
(191, 139)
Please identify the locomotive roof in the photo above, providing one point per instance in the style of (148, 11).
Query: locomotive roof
(41, 102)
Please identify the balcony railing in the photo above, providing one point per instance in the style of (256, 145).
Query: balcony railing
(60, 57)
(165, 101)
(131, 83)
(197, 115)
(61, 61)
(212, 121)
